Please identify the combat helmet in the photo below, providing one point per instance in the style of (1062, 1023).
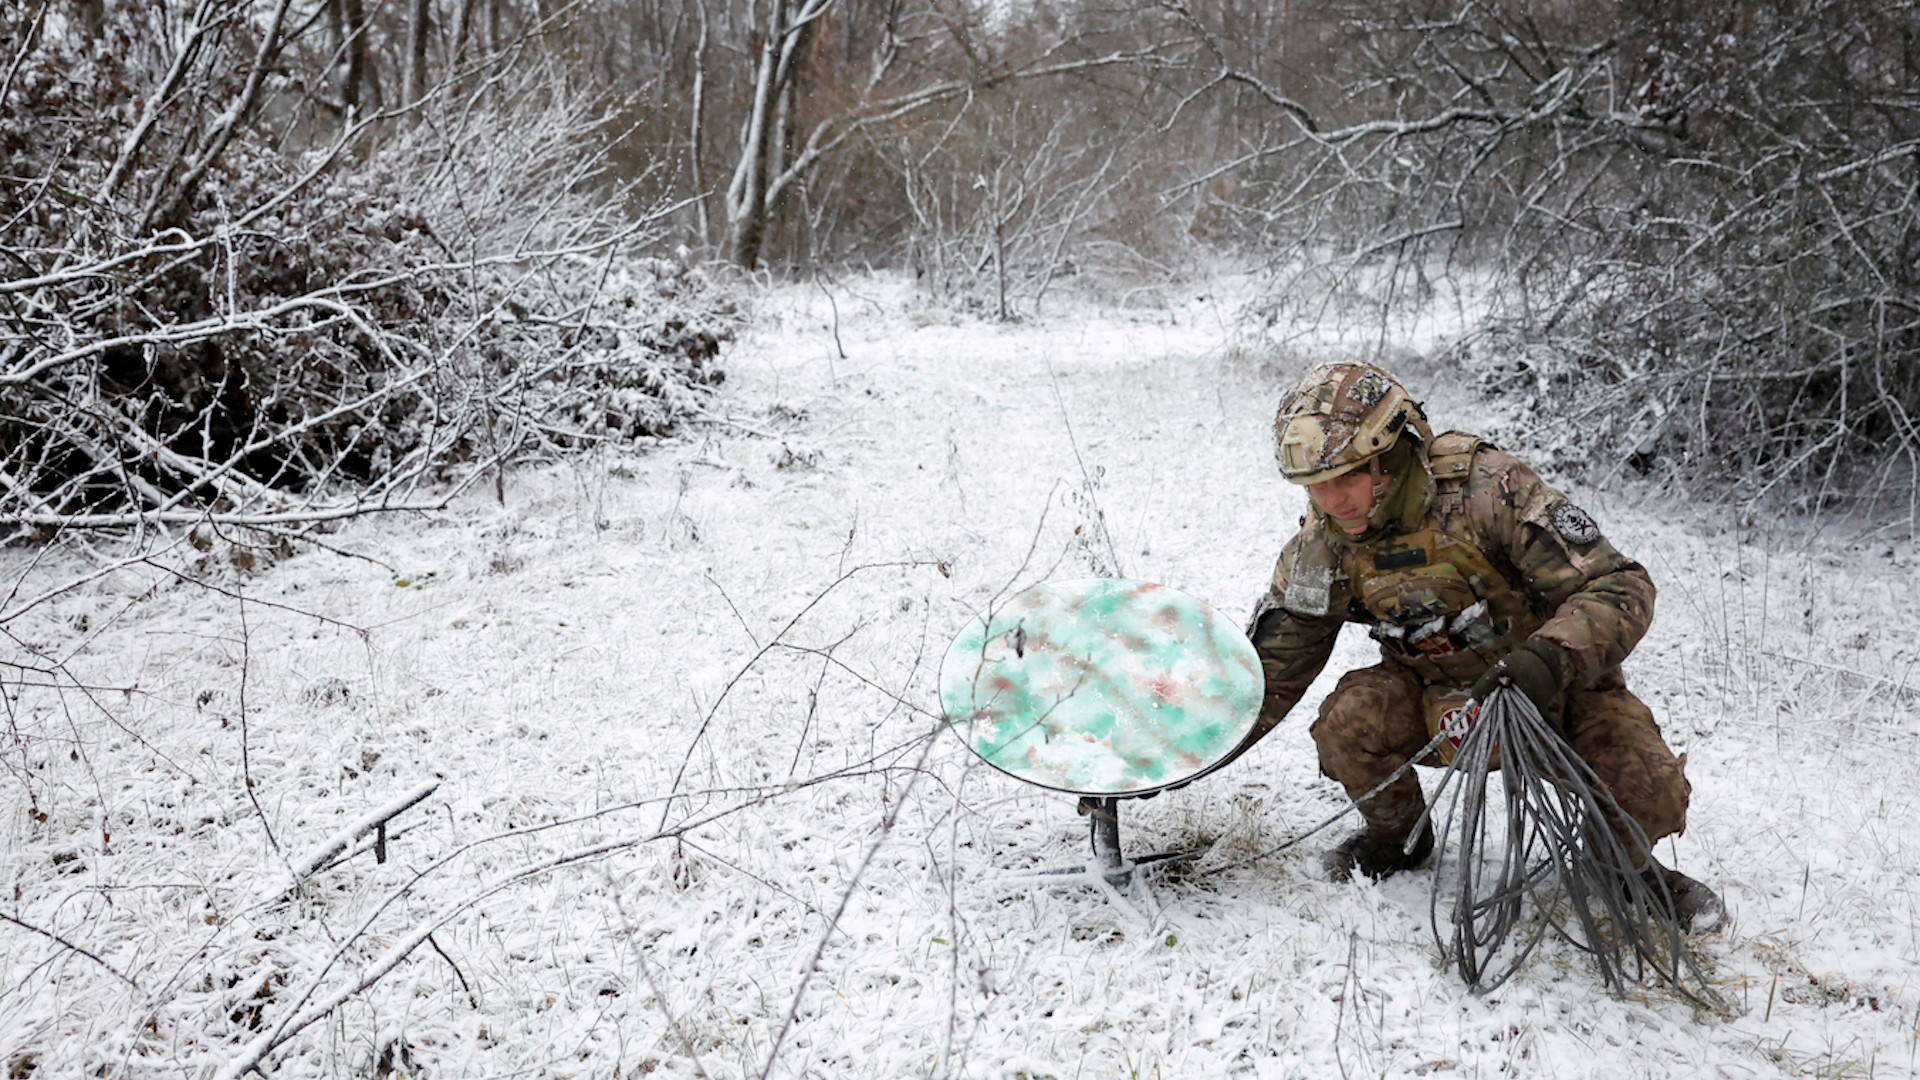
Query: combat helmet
(1340, 417)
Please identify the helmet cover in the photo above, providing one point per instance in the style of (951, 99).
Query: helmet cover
(1340, 417)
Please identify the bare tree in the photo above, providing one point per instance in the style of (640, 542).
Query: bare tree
(419, 29)
(354, 42)
(787, 27)
(1015, 205)
(1696, 224)
(228, 332)
(918, 62)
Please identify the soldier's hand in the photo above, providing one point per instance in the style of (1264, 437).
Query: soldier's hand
(1538, 668)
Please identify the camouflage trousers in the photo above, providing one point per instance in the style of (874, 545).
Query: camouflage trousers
(1373, 722)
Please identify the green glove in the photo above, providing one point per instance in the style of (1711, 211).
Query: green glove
(1539, 668)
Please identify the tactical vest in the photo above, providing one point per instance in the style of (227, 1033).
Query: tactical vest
(1431, 597)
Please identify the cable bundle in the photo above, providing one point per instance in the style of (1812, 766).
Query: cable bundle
(1556, 830)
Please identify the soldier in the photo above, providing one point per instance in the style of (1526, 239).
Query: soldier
(1469, 570)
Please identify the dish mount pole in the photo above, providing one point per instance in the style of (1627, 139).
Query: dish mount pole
(1103, 811)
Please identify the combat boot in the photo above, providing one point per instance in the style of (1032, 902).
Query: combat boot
(1376, 858)
(1696, 908)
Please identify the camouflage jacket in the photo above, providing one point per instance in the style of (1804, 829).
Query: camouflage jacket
(1487, 557)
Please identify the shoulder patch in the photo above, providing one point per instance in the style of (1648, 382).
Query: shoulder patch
(1306, 575)
(1574, 525)
(1309, 589)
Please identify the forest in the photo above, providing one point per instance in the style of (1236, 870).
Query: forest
(276, 253)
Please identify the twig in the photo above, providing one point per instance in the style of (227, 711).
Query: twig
(95, 574)
(457, 973)
(1086, 478)
(835, 306)
(312, 1006)
(714, 708)
(653, 983)
(244, 600)
(308, 864)
(846, 896)
(1349, 987)
(27, 42)
(246, 762)
(71, 947)
(731, 606)
(251, 1055)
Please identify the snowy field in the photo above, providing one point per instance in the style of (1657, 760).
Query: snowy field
(696, 815)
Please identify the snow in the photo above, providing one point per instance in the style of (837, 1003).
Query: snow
(750, 620)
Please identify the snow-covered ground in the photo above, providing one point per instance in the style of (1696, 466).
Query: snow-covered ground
(696, 815)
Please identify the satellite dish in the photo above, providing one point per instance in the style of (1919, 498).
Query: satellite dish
(1106, 688)
(1102, 686)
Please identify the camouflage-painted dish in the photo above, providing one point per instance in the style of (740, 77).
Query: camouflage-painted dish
(1103, 686)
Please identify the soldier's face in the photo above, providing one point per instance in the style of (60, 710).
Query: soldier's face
(1347, 498)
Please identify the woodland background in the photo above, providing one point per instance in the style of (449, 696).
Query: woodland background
(260, 254)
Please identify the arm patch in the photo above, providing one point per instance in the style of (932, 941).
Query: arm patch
(1309, 588)
(1307, 574)
(1574, 525)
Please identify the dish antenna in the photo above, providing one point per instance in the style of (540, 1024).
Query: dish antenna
(1105, 688)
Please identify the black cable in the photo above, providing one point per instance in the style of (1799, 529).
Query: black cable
(1557, 831)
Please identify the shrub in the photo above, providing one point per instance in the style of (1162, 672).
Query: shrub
(208, 314)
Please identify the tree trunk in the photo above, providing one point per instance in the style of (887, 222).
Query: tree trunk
(356, 46)
(747, 195)
(417, 28)
(694, 135)
(463, 26)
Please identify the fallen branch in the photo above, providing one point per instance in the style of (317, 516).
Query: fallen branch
(311, 862)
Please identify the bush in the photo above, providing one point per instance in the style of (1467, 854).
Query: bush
(1693, 229)
(208, 317)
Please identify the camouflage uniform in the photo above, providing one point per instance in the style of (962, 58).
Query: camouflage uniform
(1484, 555)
